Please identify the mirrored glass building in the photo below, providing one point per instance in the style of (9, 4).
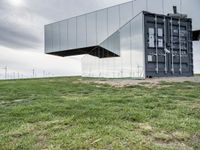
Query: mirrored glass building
(136, 39)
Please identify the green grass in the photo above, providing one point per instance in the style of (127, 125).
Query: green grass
(62, 113)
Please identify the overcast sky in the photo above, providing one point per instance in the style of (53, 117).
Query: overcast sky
(22, 34)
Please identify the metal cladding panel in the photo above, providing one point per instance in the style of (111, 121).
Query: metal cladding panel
(102, 25)
(112, 43)
(56, 36)
(138, 6)
(48, 38)
(126, 13)
(113, 19)
(156, 6)
(72, 33)
(137, 47)
(191, 8)
(99, 25)
(168, 6)
(168, 43)
(130, 63)
(196, 47)
(91, 29)
(125, 47)
(81, 31)
(64, 35)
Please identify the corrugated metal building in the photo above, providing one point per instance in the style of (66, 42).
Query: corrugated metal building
(114, 40)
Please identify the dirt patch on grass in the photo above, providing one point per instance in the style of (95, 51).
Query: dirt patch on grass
(176, 145)
(147, 82)
(175, 140)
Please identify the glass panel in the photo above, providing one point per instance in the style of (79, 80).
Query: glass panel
(113, 19)
(109, 70)
(125, 44)
(196, 47)
(63, 35)
(90, 66)
(85, 65)
(156, 6)
(117, 67)
(102, 28)
(137, 44)
(138, 6)
(72, 33)
(48, 38)
(104, 64)
(56, 37)
(131, 60)
(126, 13)
(112, 43)
(81, 31)
(91, 29)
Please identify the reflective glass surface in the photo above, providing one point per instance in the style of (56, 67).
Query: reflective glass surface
(63, 35)
(91, 29)
(102, 25)
(72, 33)
(48, 38)
(131, 50)
(137, 46)
(196, 49)
(138, 6)
(56, 36)
(191, 7)
(126, 13)
(112, 43)
(81, 31)
(125, 47)
(113, 19)
(156, 6)
(99, 28)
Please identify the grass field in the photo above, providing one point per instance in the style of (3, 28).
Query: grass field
(64, 113)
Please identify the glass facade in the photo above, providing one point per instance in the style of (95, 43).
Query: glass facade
(117, 29)
(196, 49)
(72, 33)
(102, 25)
(91, 28)
(128, 41)
(48, 38)
(113, 19)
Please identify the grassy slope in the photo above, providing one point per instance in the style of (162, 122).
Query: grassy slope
(61, 113)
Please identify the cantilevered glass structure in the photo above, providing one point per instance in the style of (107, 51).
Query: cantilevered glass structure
(117, 44)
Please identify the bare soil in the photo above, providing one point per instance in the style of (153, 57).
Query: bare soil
(147, 82)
